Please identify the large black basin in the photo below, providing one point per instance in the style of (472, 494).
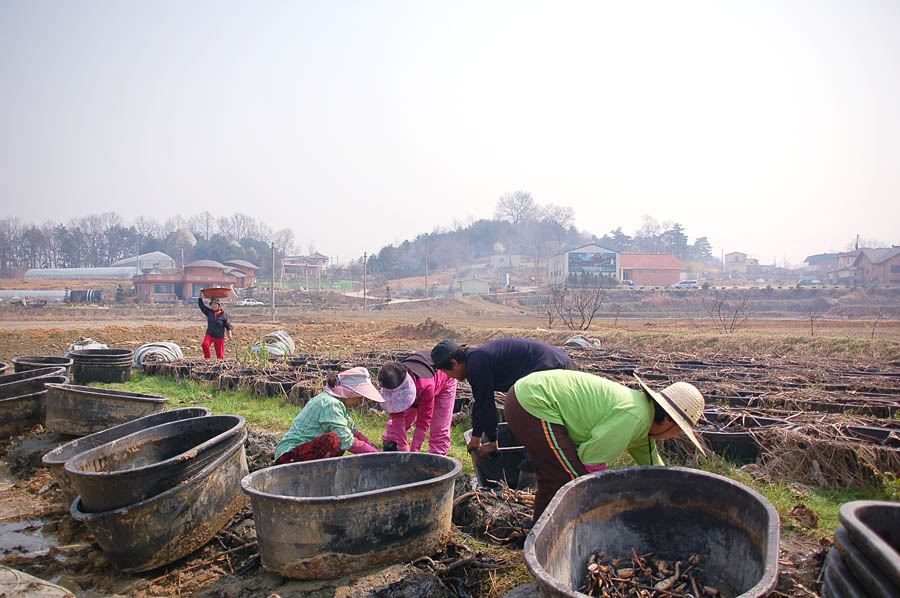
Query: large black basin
(140, 465)
(672, 512)
(79, 410)
(19, 414)
(56, 459)
(327, 518)
(730, 434)
(168, 526)
(101, 365)
(23, 412)
(23, 383)
(23, 363)
(874, 529)
(503, 464)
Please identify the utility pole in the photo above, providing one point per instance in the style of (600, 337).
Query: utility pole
(272, 306)
(364, 280)
(426, 273)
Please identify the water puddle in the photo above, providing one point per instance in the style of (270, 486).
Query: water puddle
(24, 536)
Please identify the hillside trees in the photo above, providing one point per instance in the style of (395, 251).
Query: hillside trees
(101, 239)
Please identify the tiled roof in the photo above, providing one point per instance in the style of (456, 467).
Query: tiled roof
(650, 260)
(877, 256)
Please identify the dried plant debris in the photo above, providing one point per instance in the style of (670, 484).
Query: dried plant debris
(642, 576)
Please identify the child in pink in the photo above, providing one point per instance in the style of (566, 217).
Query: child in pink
(415, 393)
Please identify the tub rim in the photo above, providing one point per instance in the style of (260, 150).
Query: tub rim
(107, 392)
(454, 472)
(233, 431)
(50, 457)
(765, 583)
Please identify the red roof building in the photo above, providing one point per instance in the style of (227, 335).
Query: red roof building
(650, 269)
(171, 285)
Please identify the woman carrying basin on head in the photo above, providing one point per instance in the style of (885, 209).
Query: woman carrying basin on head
(323, 428)
(217, 325)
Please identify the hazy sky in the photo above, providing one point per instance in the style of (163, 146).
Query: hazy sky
(772, 127)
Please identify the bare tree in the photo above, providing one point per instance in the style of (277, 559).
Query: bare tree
(576, 307)
(516, 207)
(548, 307)
(812, 314)
(727, 316)
(879, 314)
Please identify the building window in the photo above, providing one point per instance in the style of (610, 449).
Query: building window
(162, 289)
(641, 271)
(653, 271)
(895, 269)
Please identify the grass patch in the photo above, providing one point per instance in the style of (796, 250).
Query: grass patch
(269, 413)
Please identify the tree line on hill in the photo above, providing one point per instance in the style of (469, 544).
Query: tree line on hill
(522, 226)
(102, 239)
(519, 226)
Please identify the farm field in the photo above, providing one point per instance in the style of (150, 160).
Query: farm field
(823, 375)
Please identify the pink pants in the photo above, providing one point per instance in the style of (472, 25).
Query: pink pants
(433, 414)
(218, 343)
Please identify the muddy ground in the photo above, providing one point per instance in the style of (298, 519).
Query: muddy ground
(38, 536)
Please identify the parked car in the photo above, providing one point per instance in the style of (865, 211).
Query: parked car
(686, 284)
(628, 283)
(807, 282)
(249, 301)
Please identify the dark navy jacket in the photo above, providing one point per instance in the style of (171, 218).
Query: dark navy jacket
(496, 366)
(216, 324)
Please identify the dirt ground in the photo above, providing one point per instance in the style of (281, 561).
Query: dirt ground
(228, 566)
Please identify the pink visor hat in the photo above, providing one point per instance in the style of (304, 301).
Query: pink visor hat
(400, 398)
(355, 382)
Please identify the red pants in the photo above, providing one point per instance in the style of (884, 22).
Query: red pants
(218, 343)
(321, 447)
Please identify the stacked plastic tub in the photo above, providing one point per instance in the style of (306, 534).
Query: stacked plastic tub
(101, 365)
(56, 459)
(156, 495)
(23, 363)
(865, 558)
(23, 398)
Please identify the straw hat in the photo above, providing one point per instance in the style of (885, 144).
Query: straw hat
(683, 403)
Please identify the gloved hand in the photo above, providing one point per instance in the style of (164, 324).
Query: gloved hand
(593, 468)
(361, 446)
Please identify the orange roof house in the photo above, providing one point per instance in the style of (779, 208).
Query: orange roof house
(650, 269)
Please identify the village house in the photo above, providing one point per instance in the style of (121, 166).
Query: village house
(171, 285)
(474, 286)
(650, 269)
(578, 264)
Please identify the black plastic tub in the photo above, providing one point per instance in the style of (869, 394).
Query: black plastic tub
(861, 568)
(146, 463)
(56, 459)
(19, 414)
(731, 435)
(23, 412)
(327, 518)
(838, 581)
(3, 368)
(503, 464)
(874, 528)
(33, 362)
(101, 365)
(672, 512)
(171, 525)
(79, 410)
(23, 383)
